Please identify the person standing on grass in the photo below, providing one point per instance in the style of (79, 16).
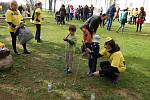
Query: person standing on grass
(135, 15)
(123, 20)
(70, 40)
(38, 20)
(110, 13)
(117, 14)
(93, 54)
(140, 19)
(62, 12)
(67, 13)
(14, 19)
(114, 65)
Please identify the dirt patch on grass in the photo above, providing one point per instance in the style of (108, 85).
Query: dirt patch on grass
(127, 94)
(7, 96)
(68, 94)
(10, 91)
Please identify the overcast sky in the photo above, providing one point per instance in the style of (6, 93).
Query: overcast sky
(19, 1)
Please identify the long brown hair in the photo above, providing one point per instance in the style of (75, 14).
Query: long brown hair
(114, 47)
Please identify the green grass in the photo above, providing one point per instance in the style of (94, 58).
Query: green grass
(28, 78)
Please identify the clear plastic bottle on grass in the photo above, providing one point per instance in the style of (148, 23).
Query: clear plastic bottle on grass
(93, 96)
(49, 87)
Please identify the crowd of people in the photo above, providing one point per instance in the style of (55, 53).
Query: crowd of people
(134, 16)
(90, 47)
(69, 12)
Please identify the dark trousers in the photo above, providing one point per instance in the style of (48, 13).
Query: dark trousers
(85, 17)
(71, 16)
(62, 20)
(102, 23)
(14, 38)
(67, 17)
(108, 71)
(38, 32)
(92, 62)
(137, 28)
(134, 20)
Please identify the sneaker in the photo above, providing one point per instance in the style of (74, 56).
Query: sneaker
(17, 53)
(69, 72)
(91, 75)
(88, 73)
(39, 41)
(27, 52)
(66, 71)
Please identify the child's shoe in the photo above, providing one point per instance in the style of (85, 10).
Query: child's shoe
(66, 71)
(91, 75)
(69, 71)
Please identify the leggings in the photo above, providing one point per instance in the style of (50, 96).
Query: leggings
(107, 70)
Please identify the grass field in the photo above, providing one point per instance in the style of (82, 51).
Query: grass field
(28, 78)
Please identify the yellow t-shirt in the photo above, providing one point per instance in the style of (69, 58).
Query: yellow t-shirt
(117, 60)
(135, 13)
(105, 53)
(13, 16)
(2, 45)
(38, 15)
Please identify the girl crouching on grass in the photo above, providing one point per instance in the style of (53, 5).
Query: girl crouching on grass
(115, 63)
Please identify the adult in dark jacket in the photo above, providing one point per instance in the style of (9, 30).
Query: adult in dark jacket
(62, 11)
(110, 13)
(86, 12)
(93, 23)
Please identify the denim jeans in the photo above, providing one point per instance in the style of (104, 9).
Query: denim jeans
(109, 23)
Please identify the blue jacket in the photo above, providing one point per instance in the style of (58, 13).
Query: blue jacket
(123, 16)
(111, 11)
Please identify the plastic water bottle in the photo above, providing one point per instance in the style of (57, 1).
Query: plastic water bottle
(93, 96)
(49, 87)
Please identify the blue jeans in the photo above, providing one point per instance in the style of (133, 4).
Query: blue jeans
(109, 23)
(71, 16)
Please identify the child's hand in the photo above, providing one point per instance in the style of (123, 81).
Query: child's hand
(88, 50)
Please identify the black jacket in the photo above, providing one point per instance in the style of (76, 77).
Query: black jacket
(93, 23)
(62, 11)
(95, 50)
